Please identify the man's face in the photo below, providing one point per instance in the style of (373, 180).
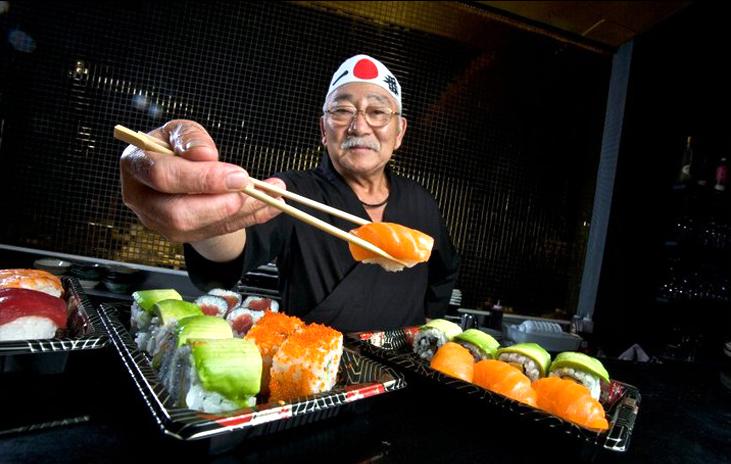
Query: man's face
(357, 148)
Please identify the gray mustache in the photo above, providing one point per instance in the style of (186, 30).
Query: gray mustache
(351, 142)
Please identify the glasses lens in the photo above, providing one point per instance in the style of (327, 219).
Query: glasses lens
(375, 116)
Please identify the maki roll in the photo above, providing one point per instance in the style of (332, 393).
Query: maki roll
(454, 360)
(219, 375)
(233, 299)
(530, 358)
(500, 377)
(30, 314)
(307, 363)
(212, 305)
(480, 345)
(258, 303)
(169, 352)
(571, 401)
(144, 300)
(269, 335)
(249, 313)
(165, 313)
(580, 368)
(434, 334)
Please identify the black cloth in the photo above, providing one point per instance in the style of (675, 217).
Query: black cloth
(320, 281)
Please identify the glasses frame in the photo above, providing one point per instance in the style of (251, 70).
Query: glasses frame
(331, 111)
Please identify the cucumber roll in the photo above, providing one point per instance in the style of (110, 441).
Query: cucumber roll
(582, 369)
(433, 335)
(144, 300)
(530, 358)
(478, 343)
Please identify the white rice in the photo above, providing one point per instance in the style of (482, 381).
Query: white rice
(428, 341)
(586, 379)
(28, 328)
(387, 264)
(200, 399)
(529, 367)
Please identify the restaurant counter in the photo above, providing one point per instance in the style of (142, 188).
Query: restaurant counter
(684, 417)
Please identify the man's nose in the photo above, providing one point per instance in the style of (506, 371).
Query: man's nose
(358, 124)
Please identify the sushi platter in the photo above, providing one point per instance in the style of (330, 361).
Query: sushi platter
(358, 379)
(84, 330)
(620, 401)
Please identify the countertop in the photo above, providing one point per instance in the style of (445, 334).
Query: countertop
(684, 417)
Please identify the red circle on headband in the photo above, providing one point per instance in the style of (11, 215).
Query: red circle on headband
(365, 69)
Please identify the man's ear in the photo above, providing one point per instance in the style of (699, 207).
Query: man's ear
(323, 137)
(400, 135)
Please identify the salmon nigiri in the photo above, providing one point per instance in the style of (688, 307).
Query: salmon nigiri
(501, 377)
(406, 245)
(571, 401)
(454, 360)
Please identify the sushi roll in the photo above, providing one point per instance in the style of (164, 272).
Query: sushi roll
(219, 375)
(232, 298)
(455, 361)
(30, 314)
(480, 345)
(307, 363)
(500, 377)
(249, 313)
(165, 313)
(530, 358)
(571, 401)
(407, 245)
(269, 334)
(143, 301)
(167, 355)
(212, 305)
(434, 334)
(582, 369)
(31, 279)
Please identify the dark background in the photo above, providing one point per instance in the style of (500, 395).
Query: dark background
(505, 125)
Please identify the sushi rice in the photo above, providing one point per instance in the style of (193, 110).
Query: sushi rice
(524, 363)
(586, 379)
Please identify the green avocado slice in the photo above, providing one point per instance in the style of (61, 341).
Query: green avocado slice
(532, 350)
(175, 310)
(146, 299)
(450, 329)
(202, 327)
(231, 367)
(582, 362)
(480, 339)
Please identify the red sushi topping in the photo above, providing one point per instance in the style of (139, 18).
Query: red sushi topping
(20, 302)
(242, 323)
(260, 305)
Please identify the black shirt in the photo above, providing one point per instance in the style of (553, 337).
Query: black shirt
(320, 281)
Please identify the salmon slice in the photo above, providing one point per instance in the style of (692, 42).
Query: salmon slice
(571, 401)
(455, 361)
(409, 246)
(505, 379)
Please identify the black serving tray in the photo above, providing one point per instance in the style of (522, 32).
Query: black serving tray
(620, 400)
(359, 379)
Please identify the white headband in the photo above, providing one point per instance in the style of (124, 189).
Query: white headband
(363, 68)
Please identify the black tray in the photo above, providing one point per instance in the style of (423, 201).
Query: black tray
(359, 378)
(84, 331)
(620, 400)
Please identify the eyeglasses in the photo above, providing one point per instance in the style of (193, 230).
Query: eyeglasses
(375, 116)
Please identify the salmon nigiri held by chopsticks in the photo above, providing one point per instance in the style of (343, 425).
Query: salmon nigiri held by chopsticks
(406, 245)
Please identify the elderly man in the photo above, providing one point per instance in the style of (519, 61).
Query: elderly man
(193, 198)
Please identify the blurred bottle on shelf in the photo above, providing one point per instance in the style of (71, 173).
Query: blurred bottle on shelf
(721, 175)
(687, 163)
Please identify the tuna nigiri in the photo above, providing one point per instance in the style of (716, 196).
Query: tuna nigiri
(454, 360)
(406, 245)
(501, 377)
(571, 401)
(30, 314)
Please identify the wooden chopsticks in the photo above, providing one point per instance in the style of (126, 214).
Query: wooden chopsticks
(148, 143)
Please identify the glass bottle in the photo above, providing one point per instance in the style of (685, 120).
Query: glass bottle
(721, 175)
(685, 166)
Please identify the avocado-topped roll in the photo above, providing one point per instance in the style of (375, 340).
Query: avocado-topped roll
(434, 334)
(219, 375)
(580, 368)
(480, 345)
(144, 300)
(168, 353)
(164, 313)
(530, 358)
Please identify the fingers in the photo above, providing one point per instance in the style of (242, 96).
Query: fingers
(188, 139)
